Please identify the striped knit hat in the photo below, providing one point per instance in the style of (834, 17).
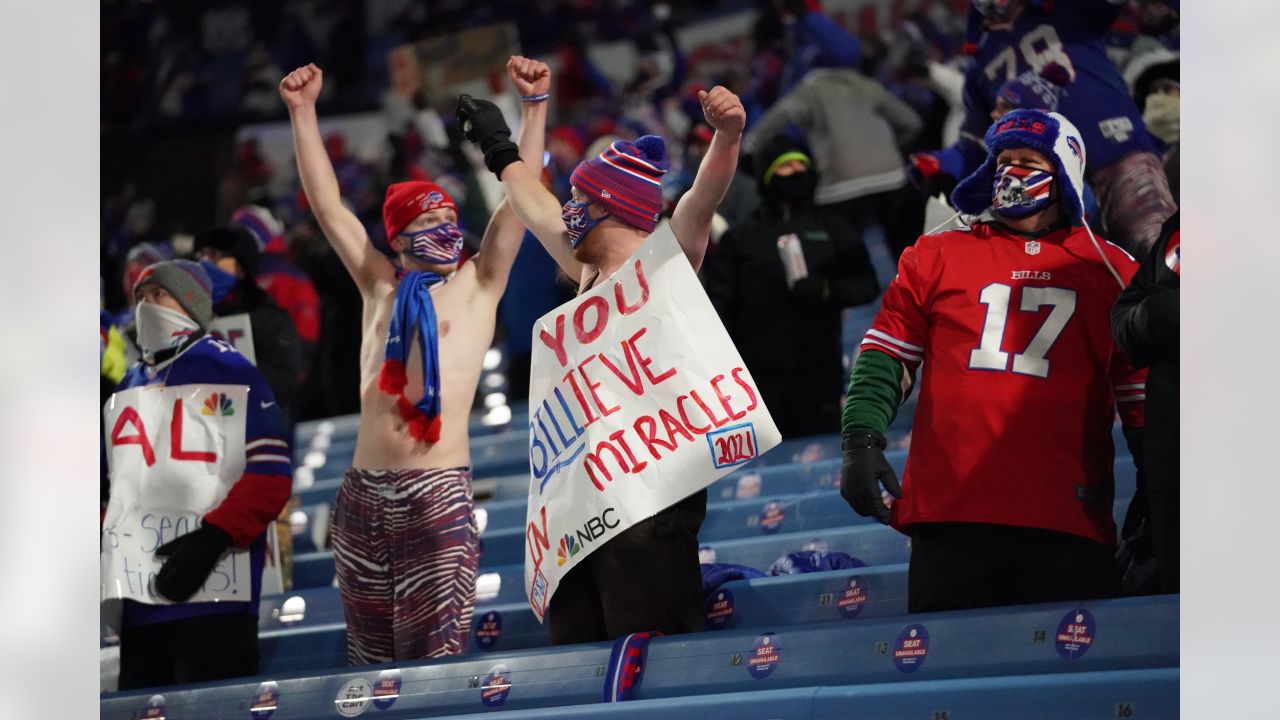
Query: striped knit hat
(266, 229)
(626, 180)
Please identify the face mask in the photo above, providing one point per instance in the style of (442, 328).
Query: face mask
(796, 186)
(578, 221)
(160, 328)
(1161, 116)
(223, 281)
(1020, 191)
(440, 244)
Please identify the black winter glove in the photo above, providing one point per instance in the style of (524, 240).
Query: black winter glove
(482, 123)
(813, 290)
(191, 558)
(863, 470)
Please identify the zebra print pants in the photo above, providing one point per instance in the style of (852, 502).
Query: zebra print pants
(405, 546)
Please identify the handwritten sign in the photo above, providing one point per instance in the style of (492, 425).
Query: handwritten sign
(638, 399)
(174, 453)
(237, 332)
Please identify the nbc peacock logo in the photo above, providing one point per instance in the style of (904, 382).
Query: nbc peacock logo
(218, 404)
(569, 546)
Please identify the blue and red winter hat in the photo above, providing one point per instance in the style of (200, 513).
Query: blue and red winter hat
(1049, 134)
(626, 180)
(266, 229)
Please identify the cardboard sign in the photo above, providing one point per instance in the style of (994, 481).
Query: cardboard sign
(173, 453)
(443, 61)
(237, 332)
(638, 399)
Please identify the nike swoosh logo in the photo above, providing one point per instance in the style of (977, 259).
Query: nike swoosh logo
(266, 405)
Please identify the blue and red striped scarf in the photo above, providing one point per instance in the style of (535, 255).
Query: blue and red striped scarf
(414, 310)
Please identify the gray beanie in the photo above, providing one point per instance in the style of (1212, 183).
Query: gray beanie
(187, 282)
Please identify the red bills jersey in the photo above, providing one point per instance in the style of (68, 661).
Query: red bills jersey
(1020, 379)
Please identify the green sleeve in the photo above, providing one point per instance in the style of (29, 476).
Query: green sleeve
(875, 391)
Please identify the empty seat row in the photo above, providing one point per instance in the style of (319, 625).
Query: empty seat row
(1037, 640)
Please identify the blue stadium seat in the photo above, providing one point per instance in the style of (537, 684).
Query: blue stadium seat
(498, 627)
(764, 484)
(1149, 693)
(1124, 634)
(871, 543)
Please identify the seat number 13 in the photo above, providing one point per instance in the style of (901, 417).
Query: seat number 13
(1031, 361)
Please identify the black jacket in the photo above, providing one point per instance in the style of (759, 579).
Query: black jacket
(781, 329)
(1144, 322)
(275, 342)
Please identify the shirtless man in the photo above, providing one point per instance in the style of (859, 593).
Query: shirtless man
(648, 577)
(404, 540)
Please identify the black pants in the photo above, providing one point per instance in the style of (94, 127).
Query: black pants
(211, 647)
(647, 578)
(957, 566)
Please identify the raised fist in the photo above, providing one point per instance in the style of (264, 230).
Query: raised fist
(302, 86)
(529, 77)
(723, 111)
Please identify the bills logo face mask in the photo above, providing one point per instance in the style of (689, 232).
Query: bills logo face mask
(1020, 191)
(441, 244)
(578, 221)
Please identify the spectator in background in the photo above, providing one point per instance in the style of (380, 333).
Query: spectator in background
(276, 273)
(1145, 323)
(1126, 174)
(1008, 489)
(187, 642)
(854, 126)
(332, 387)
(786, 321)
(815, 40)
(939, 171)
(230, 254)
(533, 290)
(248, 177)
(140, 256)
(1153, 79)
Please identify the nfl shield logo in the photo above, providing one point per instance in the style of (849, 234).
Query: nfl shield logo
(1033, 247)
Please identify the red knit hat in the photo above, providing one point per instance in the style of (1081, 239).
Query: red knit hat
(407, 200)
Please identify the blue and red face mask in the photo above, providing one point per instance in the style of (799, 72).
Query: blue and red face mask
(577, 221)
(1020, 191)
(440, 244)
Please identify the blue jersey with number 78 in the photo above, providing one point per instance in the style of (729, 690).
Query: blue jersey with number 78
(1096, 101)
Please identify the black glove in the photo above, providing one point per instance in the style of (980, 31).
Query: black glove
(863, 470)
(813, 290)
(482, 123)
(191, 558)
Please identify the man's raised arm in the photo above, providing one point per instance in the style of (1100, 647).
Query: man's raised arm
(691, 221)
(537, 208)
(299, 90)
(503, 236)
